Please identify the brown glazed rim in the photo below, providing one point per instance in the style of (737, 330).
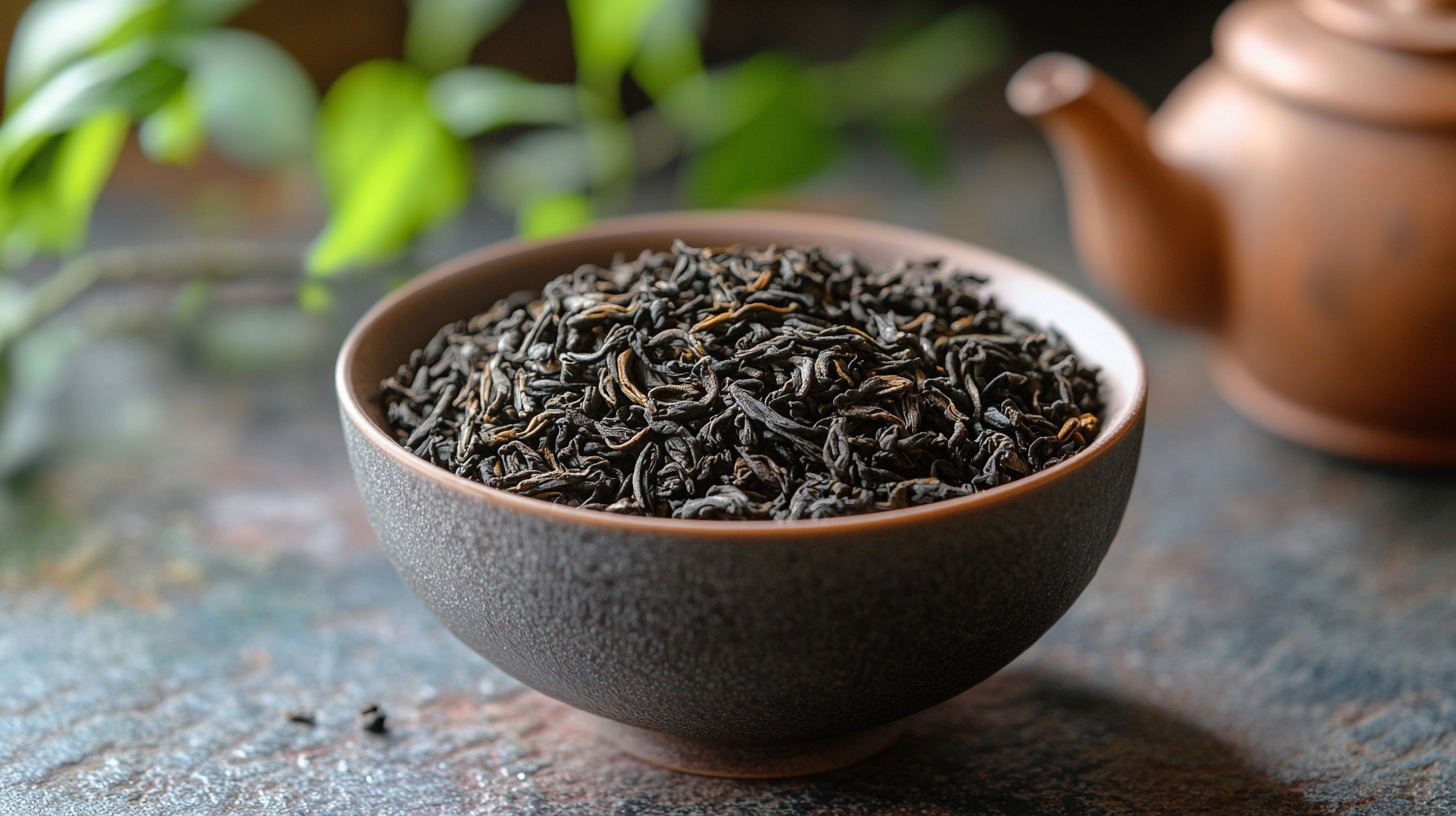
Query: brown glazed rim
(831, 228)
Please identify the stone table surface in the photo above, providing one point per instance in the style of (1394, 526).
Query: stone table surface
(1273, 631)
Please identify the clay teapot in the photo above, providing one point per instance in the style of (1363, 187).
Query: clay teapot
(1296, 197)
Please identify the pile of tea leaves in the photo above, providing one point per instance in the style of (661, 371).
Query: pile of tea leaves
(732, 383)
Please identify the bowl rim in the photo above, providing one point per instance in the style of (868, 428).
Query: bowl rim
(1114, 431)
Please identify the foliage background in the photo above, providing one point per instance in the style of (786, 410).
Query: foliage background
(552, 111)
(396, 146)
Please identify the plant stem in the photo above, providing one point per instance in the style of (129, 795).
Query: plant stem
(213, 261)
(656, 143)
(609, 143)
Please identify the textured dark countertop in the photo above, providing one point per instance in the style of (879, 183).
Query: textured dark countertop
(1273, 632)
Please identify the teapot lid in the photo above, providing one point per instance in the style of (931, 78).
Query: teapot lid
(1407, 25)
(1391, 61)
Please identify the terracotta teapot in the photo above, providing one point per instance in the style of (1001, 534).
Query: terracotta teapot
(1296, 197)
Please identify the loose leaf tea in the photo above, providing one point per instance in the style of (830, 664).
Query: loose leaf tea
(777, 383)
(373, 719)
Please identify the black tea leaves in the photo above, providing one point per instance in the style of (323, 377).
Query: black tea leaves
(777, 383)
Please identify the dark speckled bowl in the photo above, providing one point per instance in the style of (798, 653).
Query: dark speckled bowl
(734, 647)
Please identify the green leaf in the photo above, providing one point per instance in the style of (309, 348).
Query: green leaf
(48, 204)
(134, 79)
(927, 67)
(54, 33)
(314, 297)
(191, 303)
(920, 142)
(669, 54)
(555, 160)
(83, 166)
(918, 71)
(554, 214)
(442, 33)
(193, 14)
(475, 100)
(256, 100)
(390, 168)
(59, 147)
(772, 133)
(174, 133)
(606, 35)
(359, 113)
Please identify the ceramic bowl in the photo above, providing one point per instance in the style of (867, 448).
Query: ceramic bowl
(741, 647)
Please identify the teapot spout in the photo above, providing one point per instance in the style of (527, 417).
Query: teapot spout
(1144, 229)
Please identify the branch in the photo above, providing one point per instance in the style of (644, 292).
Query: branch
(212, 261)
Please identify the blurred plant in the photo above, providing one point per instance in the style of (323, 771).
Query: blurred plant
(400, 144)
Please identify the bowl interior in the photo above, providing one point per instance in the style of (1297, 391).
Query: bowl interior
(410, 317)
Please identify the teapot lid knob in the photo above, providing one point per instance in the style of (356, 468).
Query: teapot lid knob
(1407, 25)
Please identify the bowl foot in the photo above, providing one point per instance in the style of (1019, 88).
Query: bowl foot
(747, 761)
(1342, 437)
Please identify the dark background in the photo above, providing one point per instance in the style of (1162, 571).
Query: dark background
(1150, 44)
